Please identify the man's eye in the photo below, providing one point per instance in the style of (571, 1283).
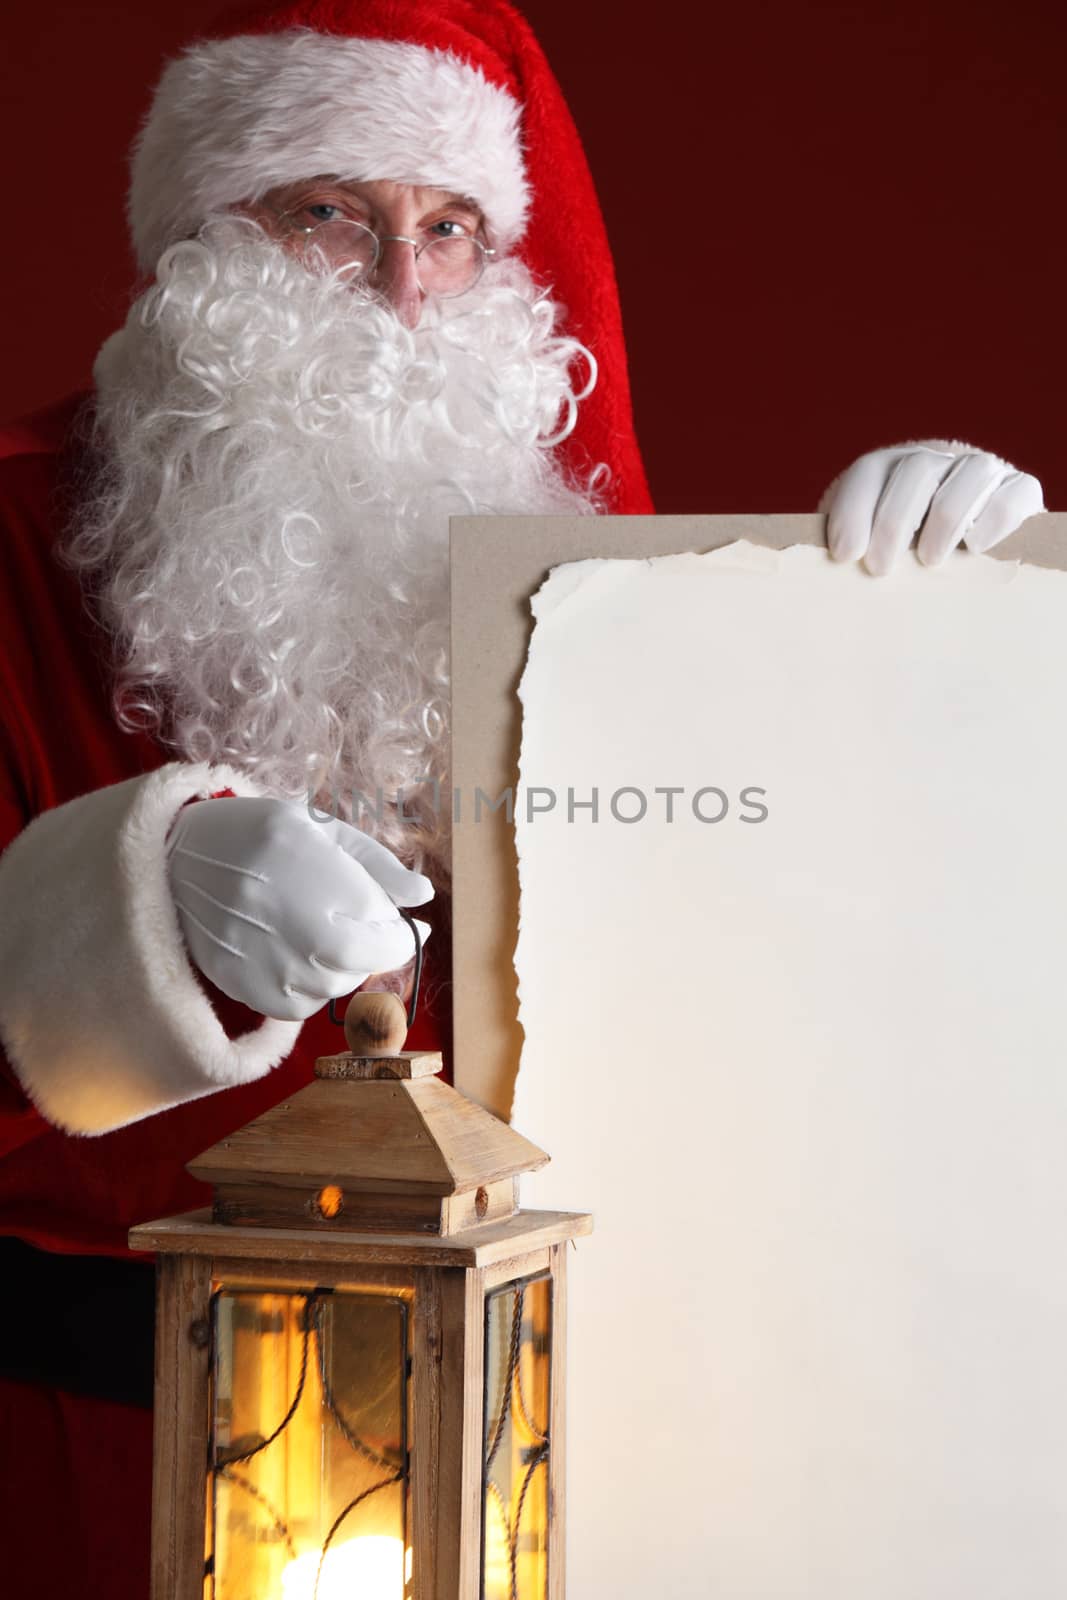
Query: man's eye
(449, 228)
(322, 211)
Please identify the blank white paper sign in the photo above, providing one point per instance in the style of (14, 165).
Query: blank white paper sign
(808, 1072)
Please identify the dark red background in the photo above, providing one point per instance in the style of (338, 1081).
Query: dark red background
(836, 225)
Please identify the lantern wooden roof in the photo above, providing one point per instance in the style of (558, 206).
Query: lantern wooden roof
(372, 1142)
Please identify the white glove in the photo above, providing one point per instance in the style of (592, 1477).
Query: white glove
(285, 913)
(954, 493)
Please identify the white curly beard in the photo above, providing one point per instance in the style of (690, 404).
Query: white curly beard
(268, 537)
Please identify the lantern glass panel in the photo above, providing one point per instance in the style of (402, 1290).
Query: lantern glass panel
(518, 1358)
(309, 1456)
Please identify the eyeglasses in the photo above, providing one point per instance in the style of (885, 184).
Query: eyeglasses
(446, 264)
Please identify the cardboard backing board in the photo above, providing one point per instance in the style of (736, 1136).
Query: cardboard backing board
(498, 563)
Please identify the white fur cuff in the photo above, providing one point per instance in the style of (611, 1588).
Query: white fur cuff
(101, 1012)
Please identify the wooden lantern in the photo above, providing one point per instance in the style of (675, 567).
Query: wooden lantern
(359, 1354)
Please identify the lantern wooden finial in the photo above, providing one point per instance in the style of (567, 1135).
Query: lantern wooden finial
(376, 1023)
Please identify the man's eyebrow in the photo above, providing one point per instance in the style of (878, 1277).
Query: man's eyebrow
(459, 202)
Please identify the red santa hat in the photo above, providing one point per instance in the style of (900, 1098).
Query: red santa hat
(454, 94)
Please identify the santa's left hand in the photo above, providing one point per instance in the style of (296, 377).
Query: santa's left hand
(951, 492)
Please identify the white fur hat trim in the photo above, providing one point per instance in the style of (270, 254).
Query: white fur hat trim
(233, 118)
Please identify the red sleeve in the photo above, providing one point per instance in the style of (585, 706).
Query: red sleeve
(19, 1119)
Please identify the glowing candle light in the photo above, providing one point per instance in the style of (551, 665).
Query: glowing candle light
(371, 1567)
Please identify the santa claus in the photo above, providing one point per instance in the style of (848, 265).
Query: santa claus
(378, 293)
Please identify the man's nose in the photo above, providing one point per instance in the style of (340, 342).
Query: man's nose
(396, 278)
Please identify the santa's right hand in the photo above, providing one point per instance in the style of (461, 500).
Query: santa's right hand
(285, 913)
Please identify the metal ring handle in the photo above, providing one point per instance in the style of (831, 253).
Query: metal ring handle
(410, 920)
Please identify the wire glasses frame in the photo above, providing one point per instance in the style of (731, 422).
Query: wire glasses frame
(446, 266)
